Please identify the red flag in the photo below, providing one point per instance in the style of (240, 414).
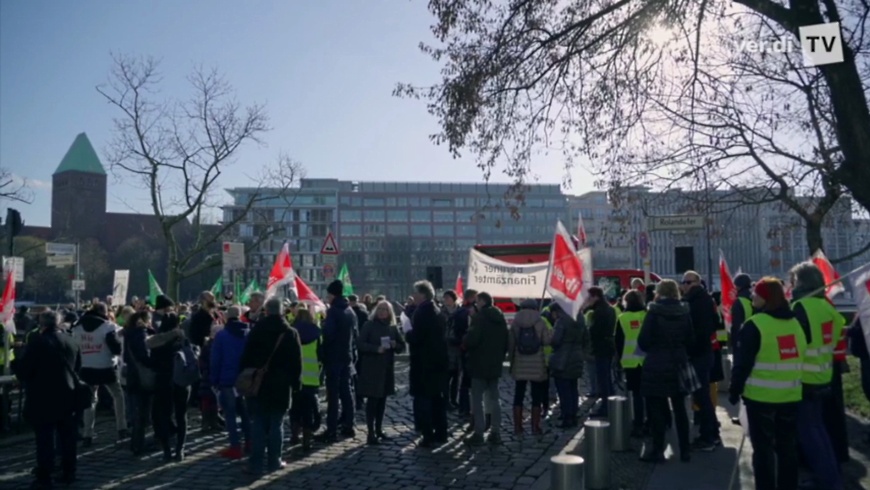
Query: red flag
(830, 274)
(729, 290)
(565, 279)
(307, 296)
(282, 272)
(7, 304)
(458, 288)
(581, 230)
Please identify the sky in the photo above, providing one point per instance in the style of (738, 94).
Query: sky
(325, 71)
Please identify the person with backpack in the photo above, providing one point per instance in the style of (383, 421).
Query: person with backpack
(170, 398)
(529, 335)
(226, 354)
(486, 344)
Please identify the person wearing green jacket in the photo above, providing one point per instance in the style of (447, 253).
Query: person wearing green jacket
(486, 344)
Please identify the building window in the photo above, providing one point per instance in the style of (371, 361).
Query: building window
(373, 201)
(347, 215)
(421, 215)
(351, 230)
(356, 201)
(421, 230)
(397, 230)
(374, 230)
(466, 230)
(414, 201)
(374, 214)
(345, 200)
(392, 202)
(443, 230)
(397, 215)
(403, 202)
(442, 203)
(443, 216)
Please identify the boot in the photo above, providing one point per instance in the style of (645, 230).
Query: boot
(488, 421)
(167, 453)
(307, 435)
(536, 421)
(518, 420)
(294, 433)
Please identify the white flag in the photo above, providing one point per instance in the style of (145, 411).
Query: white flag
(860, 279)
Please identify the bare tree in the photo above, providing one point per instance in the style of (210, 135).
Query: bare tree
(179, 149)
(12, 188)
(593, 79)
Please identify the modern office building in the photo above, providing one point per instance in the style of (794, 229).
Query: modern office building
(393, 233)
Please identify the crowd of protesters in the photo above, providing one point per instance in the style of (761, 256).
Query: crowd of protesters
(248, 368)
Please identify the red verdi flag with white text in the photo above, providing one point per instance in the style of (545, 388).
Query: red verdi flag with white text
(282, 273)
(729, 291)
(565, 279)
(829, 272)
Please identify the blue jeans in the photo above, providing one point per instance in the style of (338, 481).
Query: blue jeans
(709, 425)
(267, 432)
(338, 390)
(591, 378)
(235, 406)
(816, 444)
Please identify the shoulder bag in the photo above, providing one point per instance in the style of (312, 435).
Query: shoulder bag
(249, 380)
(83, 397)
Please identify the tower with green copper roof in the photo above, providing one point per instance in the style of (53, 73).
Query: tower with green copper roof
(78, 193)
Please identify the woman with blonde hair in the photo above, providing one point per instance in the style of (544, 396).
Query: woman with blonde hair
(379, 341)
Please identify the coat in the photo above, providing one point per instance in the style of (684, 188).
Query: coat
(428, 351)
(46, 370)
(226, 354)
(666, 337)
(705, 321)
(486, 343)
(529, 367)
(602, 330)
(284, 372)
(570, 344)
(200, 327)
(377, 376)
(338, 335)
(136, 353)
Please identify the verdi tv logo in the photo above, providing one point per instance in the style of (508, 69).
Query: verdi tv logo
(821, 44)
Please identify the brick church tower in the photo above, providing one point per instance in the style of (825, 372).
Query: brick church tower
(78, 193)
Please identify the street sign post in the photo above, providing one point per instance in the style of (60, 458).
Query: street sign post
(60, 260)
(233, 256)
(329, 259)
(329, 246)
(78, 285)
(643, 251)
(328, 271)
(676, 222)
(60, 249)
(16, 266)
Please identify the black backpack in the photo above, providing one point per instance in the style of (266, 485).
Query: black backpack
(528, 341)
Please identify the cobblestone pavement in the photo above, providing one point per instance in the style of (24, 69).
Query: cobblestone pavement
(519, 463)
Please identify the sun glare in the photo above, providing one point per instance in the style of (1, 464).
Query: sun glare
(660, 35)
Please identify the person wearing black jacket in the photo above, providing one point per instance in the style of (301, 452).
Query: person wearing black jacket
(454, 353)
(47, 370)
(339, 353)
(362, 316)
(170, 400)
(739, 315)
(602, 329)
(459, 322)
(137, 359)
(202, 321)
(275, 346)
(705, 320)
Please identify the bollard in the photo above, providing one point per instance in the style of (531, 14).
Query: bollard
(725, 384)
(597, 454)
(630, 396)
(620, 434)
(566, 472)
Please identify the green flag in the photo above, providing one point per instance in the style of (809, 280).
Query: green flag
(246, 294)
(344, 277)
(153, 289)
(218, 288)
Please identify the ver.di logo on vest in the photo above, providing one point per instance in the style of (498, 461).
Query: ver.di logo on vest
(787, 347)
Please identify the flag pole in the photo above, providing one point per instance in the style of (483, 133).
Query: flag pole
(834, 283)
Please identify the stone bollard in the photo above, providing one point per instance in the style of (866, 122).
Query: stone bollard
(597, 454)
(566, 472)
(620, 434)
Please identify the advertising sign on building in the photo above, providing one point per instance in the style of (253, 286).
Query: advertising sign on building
(233, 256)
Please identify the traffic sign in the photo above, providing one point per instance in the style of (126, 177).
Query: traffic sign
(78, 285)
(233, 257)
(643, 244)
(329, 259)
(328, 271)
(329, 246)
(16, 266)
(60, 260)
(676, 222)
(60, 248)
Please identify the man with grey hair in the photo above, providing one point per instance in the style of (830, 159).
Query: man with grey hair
(821, 416)
(255, 305)
(428, 365)
(273, 346)
(46, 369)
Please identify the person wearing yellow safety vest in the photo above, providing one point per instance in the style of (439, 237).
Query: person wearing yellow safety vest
(823, 326)
(305, 412)
(742, 309)
(629, 354)
(768, 373)
(6, 349)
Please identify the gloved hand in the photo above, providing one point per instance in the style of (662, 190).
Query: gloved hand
(734, 399)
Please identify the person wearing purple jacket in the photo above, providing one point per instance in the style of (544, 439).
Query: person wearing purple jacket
(226, 354)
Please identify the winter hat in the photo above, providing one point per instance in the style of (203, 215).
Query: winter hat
(762, 289)
(163, 302)
(335, 288)
(529, 304)
(742, 281)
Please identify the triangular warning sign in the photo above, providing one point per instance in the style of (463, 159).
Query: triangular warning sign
(329, 246)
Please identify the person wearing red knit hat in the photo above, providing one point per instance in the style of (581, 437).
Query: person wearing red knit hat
(767, 373)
